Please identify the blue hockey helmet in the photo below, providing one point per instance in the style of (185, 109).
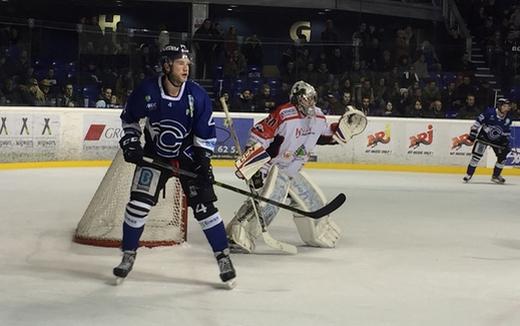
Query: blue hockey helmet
(173, 52)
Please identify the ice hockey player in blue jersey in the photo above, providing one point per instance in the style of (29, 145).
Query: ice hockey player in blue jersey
(492, 128)
(179, 130)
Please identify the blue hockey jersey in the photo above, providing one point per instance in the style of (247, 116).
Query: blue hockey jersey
(173, 124)
(494, 127)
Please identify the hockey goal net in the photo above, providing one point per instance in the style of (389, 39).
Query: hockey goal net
(101, 224)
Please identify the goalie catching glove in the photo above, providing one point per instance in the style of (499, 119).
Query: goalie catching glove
(352, 123)
(253, 159)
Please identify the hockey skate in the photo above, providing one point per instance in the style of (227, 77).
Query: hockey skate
(467, 177)
(498, 179)
(126, 265)
(227, 271)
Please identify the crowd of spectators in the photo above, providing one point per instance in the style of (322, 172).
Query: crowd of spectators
(401, 72)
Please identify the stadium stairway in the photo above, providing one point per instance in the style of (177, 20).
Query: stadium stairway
(482, 70)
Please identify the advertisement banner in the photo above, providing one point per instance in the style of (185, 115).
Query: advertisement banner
(101, 134)
(29, 135)
(379, 139)
(513, 158)
(421, 137)
(225, 147)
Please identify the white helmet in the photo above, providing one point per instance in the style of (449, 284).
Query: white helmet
(303, 96)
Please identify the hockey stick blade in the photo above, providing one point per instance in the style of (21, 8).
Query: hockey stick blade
(324, 211)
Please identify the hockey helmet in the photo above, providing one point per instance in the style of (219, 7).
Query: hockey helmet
(500, 105)
(303, 96)
(173, 52)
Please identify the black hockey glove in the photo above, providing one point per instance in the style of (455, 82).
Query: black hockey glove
(473, 134)
(202, 167)
(132, 149)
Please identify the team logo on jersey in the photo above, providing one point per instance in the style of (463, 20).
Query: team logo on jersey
(382, 137)
(494, 132)
(151, 106)
(301, 152)
(169, 138)
(457, 142)
(425, 138)
(304, 131)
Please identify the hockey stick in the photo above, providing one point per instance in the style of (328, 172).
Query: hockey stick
(268, 239)
(485, 142)
(324, 211)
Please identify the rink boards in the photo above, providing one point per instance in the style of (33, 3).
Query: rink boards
(76, 136)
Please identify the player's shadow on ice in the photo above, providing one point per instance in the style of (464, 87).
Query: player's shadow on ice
(508, 243)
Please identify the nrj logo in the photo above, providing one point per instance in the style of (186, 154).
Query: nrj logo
(457, 142)
(382, 137)
(425, 138)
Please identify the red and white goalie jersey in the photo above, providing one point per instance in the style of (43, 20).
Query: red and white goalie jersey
(289, 136)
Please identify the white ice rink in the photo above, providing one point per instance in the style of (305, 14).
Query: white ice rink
(418, 249)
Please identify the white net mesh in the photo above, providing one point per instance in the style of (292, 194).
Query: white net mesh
(101, 224)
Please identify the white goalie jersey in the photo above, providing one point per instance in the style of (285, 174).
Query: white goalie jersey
(289, 136)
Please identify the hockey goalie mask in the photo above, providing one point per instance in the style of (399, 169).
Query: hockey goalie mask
(303, 96)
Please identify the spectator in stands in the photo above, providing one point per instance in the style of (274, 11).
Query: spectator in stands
(264, 100)
(450, 101)
(309, 74)
(204, 46)
(346, 99)
(401, 106)
(366, 106)
(244, 102)
(3, 67)
(337, 62)
(253, 51)
(323, 74)
(385, 62)
(366, 91)
(105, 98)
(329, 35)
(416, 110)
(334, 106)
(32, 94)
(380, 92)
(465, 88)
(289, 75)
(12, 94)
(408, 77)
(388, 110)
(282, 95)
(49, 97)
(431, 92)
(68, 98)
(470, 110)
(235, 65)
(225, 95)
(485, 94)
(436, 110)
(231, 40)
(421, 67)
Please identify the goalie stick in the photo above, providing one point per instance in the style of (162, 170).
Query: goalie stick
(324, 211)
(268, 239)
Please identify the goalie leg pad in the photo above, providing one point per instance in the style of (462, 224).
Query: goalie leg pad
(323, 233)
(244, 228)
